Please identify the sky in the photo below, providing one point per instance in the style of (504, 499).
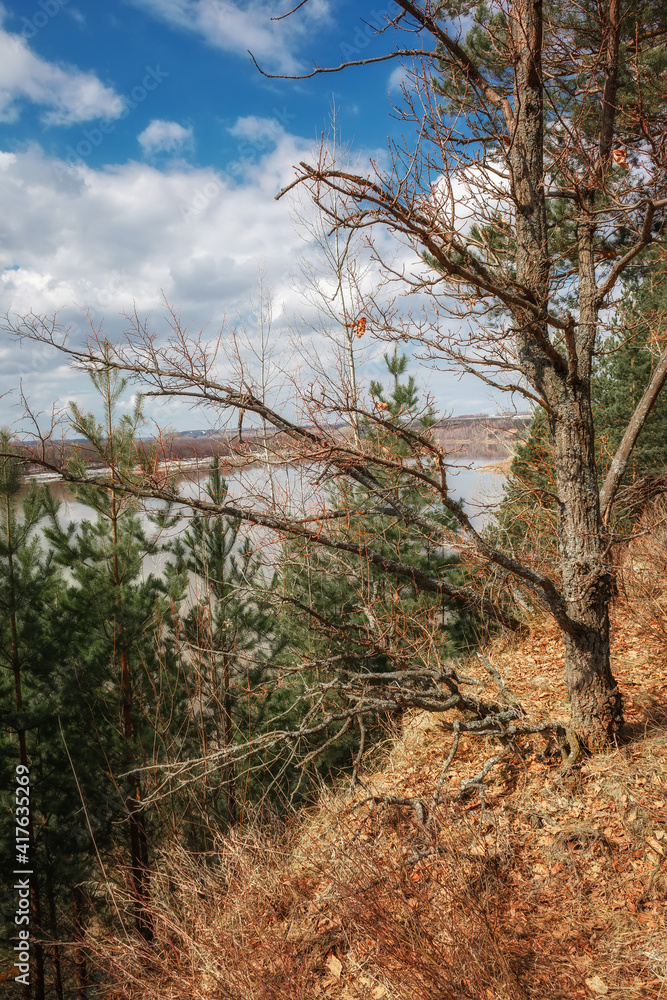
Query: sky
(140, 154)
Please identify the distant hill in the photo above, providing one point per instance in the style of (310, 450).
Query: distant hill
(475, 435)
(482, 435)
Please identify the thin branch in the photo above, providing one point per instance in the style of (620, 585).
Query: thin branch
(281, 17)
(471, 71)
(422, 53)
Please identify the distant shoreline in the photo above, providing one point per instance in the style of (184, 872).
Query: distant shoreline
(465, 439)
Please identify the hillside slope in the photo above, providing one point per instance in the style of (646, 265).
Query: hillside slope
(541, 883)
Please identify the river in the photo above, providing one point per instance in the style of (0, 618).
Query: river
(478, 481)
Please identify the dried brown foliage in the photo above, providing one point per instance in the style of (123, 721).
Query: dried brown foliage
(547, 885)
(644, 571)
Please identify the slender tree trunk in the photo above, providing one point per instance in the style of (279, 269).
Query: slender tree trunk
(37, 930)
(137, 823)
(227, 737)
(55, 947)
(138, 838)
(80, 965)
(632, 432)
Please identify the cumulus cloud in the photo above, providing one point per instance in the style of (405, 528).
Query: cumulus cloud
(106, 241)
(95, 243)
(165, 137)
(236, 28)
(256, 128)
(106, 238)
(66, 94)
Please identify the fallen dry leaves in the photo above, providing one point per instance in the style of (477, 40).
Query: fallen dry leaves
(572, 867)
(549, 886)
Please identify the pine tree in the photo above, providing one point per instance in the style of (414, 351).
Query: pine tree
(26, 580)
(121, 620)
(345, 607)
(42, 700)
(230, 631)
(527, 521)
(628, 360)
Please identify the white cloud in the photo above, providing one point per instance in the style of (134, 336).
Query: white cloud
(256, 129)
(107, 238)
(105, 241)
(399, 76)
(165, 137)
(236, 28)
(67, 94)
(111, 240)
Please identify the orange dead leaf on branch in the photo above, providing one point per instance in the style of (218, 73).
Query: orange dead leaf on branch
(359, 326)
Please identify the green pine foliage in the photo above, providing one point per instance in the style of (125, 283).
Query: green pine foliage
(46, 720)
(349, 612)
(121, 632)
(574, 35)
(630, 355)
(230, 636)
(121, 651)
(528, 522)
(405, 543)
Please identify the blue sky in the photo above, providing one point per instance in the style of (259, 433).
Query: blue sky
(203, 78)
(140, 152)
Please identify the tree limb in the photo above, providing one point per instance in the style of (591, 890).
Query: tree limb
(633, 430)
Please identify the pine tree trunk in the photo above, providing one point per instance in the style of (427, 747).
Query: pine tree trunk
(229, 771)
(587, 580)
(138, 838)
(55, 947)
(139, 863)
(80, 965)
(563, 382)
(38, 946)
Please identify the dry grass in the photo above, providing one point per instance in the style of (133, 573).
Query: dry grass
(549, 886)
(644, 572)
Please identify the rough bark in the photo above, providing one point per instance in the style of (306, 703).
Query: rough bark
(563, 381)
(587, 578)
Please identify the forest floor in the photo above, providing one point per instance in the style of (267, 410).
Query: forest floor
(550, 885)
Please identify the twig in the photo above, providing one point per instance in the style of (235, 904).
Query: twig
(505, 696)
(359, 754)
(647, 892)
(435, 800)
(470, 784)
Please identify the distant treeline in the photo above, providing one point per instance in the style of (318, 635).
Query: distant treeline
(477, 435)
